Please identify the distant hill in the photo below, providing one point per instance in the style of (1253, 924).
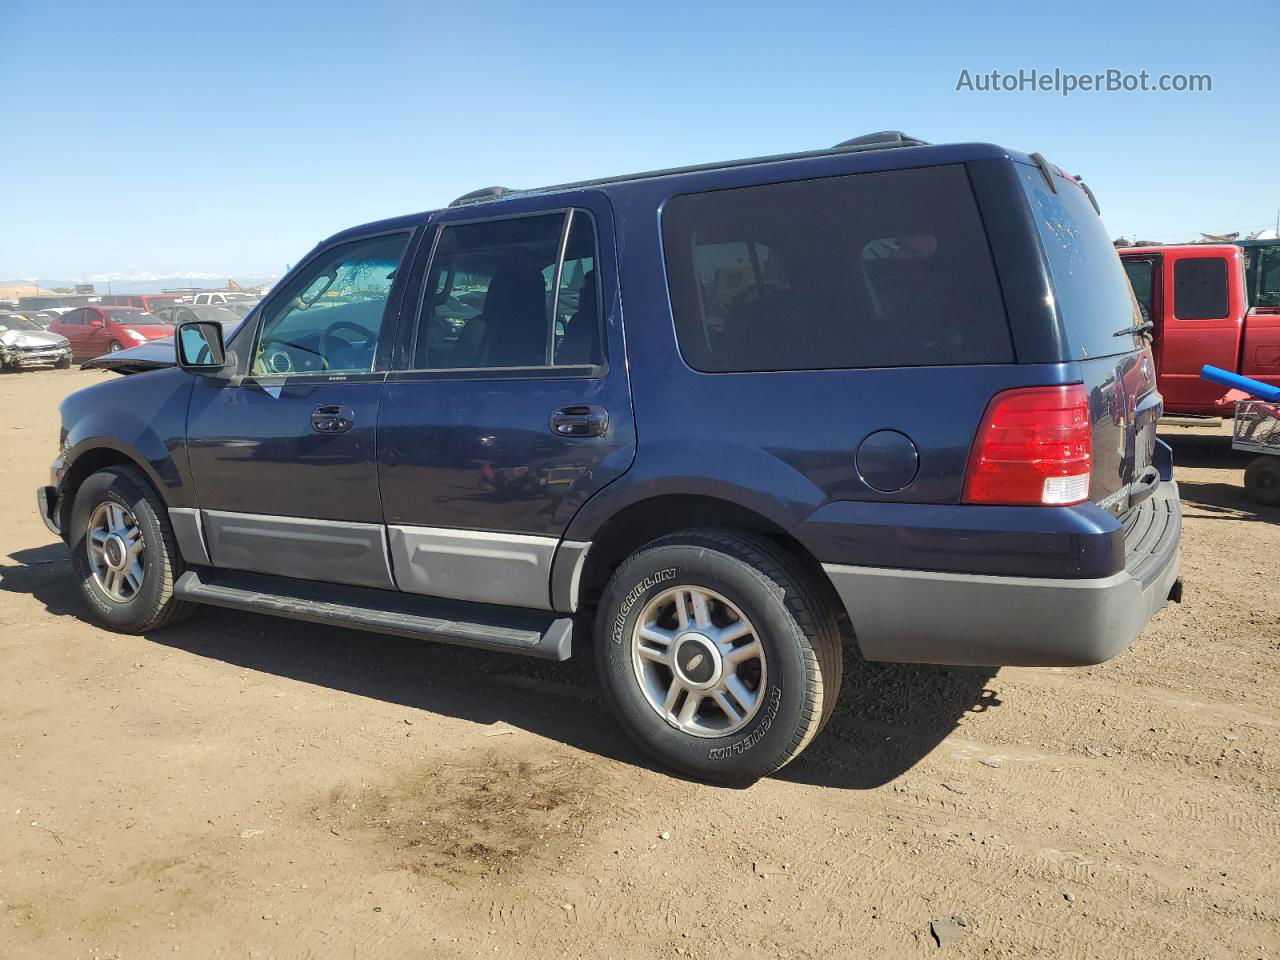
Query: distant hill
(131, 285)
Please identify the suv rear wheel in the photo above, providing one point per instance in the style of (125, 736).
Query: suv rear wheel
(123, 552)
(718, 653)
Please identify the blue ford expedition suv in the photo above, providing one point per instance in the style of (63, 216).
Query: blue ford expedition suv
(724, 416)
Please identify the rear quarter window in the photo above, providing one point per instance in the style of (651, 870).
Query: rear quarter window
(870, 270)
(1200, 289)
(1094, 298)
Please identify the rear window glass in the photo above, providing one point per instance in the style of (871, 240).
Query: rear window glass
(1094, 298)
(871, 270)
(1200, 289)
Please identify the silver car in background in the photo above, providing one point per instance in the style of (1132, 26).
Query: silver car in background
(24, 343)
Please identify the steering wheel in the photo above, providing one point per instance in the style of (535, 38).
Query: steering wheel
(327, 338)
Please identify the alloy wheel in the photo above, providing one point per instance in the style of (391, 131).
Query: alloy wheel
(117, 551)
(699, 661)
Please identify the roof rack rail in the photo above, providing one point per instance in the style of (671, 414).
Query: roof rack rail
(484, 193)
(885, 139)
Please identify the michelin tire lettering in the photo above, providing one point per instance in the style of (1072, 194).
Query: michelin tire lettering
(755, 736)
(634, 594)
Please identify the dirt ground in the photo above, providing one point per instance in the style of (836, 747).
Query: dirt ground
(241, 786)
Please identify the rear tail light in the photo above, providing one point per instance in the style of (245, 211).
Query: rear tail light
(1035, 446)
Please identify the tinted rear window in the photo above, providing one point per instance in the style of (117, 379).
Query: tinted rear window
(1200, 289)
(1093, 293)
(872, 270)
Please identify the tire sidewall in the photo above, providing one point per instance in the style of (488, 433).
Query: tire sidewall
(746, 754)
(1258, 485)
(120, 488)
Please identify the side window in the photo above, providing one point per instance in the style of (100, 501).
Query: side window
(577, 320)
(869, 270)
(1142, 278)
(1267, 292)
(732, 273)
(1200, 289)
(492, 300)
(328, 319)
(73, 319)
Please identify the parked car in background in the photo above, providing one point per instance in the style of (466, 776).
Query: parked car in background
(241, 308)
(216, 297)
(24, 343)
(226, 314)
(1202, 312)
(143, 301)
(97, 330)
(152, 355)
(730, 417)
(46, 318)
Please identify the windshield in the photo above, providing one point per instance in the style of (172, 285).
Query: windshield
(12, 321)
(1094, 298)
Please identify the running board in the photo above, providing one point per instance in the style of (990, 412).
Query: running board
(487, 626)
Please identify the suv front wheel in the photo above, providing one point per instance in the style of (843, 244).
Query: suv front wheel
(718, 653)
(123, 552)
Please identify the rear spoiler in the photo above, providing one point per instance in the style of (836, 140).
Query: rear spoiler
(1047, 170)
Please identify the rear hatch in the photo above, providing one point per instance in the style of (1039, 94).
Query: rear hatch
(1102, 322)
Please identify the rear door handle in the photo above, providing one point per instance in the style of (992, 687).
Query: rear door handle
(584, 420)
(333, 418)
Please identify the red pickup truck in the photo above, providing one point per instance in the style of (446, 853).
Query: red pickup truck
(1209, 303)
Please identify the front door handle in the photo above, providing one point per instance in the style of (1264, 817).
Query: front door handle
(333, 418)
(584, 420)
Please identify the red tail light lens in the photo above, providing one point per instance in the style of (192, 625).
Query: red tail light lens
(1035, 446)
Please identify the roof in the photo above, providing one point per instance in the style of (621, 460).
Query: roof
(899, 145)
(884, 140)
(1223, 249)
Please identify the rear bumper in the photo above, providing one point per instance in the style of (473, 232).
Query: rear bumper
(916, 616)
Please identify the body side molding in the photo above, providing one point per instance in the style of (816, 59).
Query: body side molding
(476, 565)
(188, 530)
(325, 550)
(566, 574)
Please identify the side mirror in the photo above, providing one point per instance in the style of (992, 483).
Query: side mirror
(199, 346)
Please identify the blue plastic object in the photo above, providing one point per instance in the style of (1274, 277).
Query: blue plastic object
(1255, 388)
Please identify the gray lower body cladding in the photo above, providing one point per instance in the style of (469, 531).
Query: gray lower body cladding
(917, 616)
(324, 550)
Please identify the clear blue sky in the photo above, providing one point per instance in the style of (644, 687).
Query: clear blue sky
(228, 137)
